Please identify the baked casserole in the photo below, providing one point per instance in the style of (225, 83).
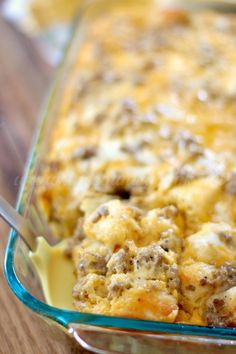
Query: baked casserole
(141, 170)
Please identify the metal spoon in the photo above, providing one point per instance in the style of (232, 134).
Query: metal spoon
(18, 223)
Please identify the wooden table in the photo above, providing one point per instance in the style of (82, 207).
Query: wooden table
(24, 79)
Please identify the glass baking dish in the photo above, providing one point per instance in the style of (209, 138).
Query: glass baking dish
(100, 334)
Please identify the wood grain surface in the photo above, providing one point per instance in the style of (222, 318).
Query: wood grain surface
(24, 79)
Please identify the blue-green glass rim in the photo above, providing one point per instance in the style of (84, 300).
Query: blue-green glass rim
(65, 317)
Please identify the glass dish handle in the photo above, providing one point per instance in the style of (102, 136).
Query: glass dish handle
(112, 341)
(109, 341)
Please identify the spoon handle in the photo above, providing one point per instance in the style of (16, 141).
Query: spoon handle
(18, 223)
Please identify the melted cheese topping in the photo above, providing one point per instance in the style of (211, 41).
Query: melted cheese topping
(141, 169)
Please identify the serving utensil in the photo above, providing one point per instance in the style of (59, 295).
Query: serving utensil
(18, 223)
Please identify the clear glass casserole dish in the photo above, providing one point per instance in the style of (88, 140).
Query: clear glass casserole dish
(101, 334)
